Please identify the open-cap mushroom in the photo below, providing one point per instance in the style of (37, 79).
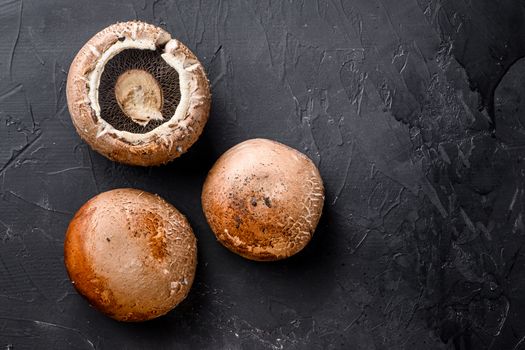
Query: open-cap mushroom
(263, 199)
(136, 95)
(131, 254)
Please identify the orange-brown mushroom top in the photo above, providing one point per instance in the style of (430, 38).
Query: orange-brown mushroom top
(131, 254)
(263, 200)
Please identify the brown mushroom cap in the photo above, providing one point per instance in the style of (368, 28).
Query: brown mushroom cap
(263, 199)
(131, 254)
(167, 127)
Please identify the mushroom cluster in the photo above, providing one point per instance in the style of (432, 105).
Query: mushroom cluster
(140, 97)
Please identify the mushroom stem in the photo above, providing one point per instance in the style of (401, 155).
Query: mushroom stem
(139, 96)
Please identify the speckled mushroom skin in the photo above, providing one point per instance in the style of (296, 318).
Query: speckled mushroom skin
(155, 147)
(131, 254)
(263, 199)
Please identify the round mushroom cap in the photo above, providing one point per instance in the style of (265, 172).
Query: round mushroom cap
(136, 95)
(131, 254)
(263, 200)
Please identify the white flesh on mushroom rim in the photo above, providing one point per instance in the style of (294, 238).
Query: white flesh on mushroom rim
(177, 61)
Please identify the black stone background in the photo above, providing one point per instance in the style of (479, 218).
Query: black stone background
(414, 111)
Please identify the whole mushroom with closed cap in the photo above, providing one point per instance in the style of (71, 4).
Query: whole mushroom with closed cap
(263, 200)
(136, 95)
(131, 254)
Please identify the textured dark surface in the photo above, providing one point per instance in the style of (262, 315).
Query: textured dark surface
(421, 147)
